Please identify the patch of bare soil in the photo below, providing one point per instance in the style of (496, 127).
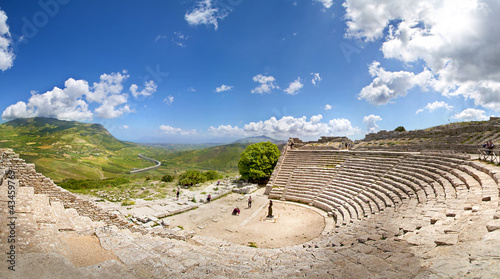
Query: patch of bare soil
(85, 251)
(293, 224)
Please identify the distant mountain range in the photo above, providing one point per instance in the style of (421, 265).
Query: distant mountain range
(260, 139)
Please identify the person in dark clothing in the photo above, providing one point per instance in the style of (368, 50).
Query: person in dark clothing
(236, 211)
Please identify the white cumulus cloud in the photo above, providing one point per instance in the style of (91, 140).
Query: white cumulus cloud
(112, 107)
(289, 126)
(206, 13)
(456, 40)
(294, 87)
(65, 104)
(6, 53)
(434, 106)
(108, 85)
(371, 123)
(223, 88)
(316, 79)
(74, 100)
(387, 86)
(266, 84)
(149, 89)
(169, 100)
(328, 107)
(471, 114)
(326, 3)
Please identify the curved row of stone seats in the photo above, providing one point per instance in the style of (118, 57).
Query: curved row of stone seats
(306, 182)
(368, 183)
(403, 182)
(443, 178)
(434, 174)
(302, 158)
(379, 199)
(422, 182)
(358, 199)
(355, 191)
(368, 202)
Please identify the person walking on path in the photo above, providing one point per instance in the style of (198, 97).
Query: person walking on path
(178, 193)
(250, 202)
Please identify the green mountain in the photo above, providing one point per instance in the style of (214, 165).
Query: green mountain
(69, 149)
(221, 158)
(56, 136)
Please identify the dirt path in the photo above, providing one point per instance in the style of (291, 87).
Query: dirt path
(294, 224)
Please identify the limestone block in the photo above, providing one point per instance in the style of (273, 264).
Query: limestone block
(493, 225)
(492, 236)
(449, 239)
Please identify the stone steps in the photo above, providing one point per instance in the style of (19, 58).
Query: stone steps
(435, 219)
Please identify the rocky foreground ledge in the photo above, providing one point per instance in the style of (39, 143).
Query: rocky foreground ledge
(46, 232)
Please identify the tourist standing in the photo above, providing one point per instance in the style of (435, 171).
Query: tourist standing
(209, 198)
(250, 202)
(178, 193)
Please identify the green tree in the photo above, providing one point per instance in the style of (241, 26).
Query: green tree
(191, 177)
(400, 129)
(167, 178)
(212, 175)
(258, 160)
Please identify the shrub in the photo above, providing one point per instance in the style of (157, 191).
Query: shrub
(74, 184)
(400, 129)
(167, 178)
(191, 177)
(212, 175)
(127, 202)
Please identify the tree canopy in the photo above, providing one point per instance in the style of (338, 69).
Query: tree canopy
(193, 177)
(258, 160)
(400, 129)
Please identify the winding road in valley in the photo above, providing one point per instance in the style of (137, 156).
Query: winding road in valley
(158, 164)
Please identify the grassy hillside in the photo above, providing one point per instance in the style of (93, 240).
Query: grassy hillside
(221, 158)
(69, 149)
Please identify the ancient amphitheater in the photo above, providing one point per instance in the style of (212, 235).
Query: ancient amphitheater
(410, 209)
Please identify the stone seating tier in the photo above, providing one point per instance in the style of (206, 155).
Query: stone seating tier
(366, 183)
(452, 238)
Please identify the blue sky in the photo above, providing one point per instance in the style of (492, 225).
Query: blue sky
(193, 71)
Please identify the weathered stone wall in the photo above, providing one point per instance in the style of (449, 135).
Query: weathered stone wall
(451, 130)
(28, 177)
